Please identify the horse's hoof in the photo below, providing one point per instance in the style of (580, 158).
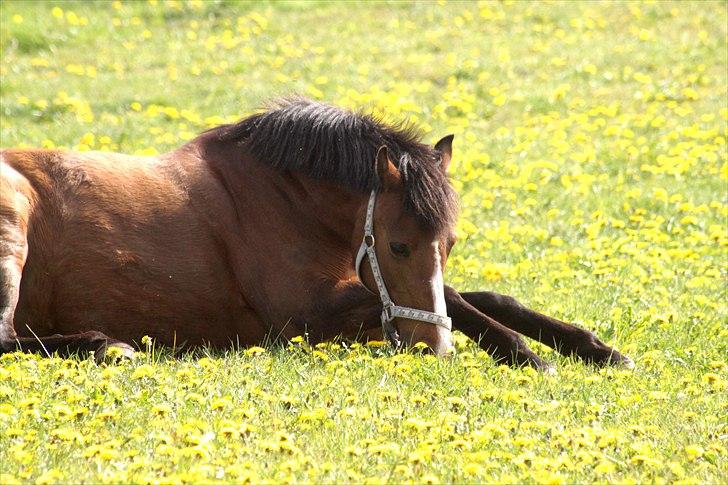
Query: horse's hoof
(532, 360)
(615, 359)
(541, 365)
(603, 356)
(625, 363)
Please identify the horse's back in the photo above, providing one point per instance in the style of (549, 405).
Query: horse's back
(115, 245)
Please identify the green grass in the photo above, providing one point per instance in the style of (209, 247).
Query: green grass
(590, 155)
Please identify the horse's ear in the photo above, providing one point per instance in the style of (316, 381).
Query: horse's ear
(444, 147)
(388, 175)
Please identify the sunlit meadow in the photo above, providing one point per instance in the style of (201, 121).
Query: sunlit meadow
(590, 155)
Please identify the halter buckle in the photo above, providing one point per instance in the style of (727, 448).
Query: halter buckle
(387, 312)
(369, 240)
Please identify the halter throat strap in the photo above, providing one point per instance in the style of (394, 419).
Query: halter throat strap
(390, 311)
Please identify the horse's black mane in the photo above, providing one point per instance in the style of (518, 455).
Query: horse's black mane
(329, 143)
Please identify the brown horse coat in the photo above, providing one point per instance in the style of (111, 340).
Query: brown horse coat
(117, 240)
(210, 244)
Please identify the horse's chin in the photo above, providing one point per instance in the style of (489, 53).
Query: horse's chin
(438, 340)
(444, 349)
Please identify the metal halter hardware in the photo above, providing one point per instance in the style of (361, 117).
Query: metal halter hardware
(390, 311)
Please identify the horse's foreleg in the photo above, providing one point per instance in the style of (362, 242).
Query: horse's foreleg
(565, 338)
(502, 343)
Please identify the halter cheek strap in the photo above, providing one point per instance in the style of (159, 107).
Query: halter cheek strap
(390, 311)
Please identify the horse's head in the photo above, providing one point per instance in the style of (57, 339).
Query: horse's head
(411, 256)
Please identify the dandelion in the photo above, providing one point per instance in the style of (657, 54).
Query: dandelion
(320, 355)
(430, 479)
(253, 351)
(694, 452)
(605, 468)
(161, 410)
(143, 371)
(54, 475)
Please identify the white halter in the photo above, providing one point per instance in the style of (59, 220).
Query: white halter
(390, 311)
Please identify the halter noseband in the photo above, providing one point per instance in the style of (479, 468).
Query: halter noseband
(390, 311)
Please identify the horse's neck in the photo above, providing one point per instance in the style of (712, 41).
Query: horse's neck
(331, 206)
(311, 220)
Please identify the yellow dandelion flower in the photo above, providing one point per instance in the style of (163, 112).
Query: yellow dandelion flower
(143, 371)
(253, 351)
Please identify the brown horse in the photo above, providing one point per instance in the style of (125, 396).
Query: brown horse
(250, 230)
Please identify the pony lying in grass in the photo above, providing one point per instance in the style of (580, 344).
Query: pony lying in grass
(304, 219)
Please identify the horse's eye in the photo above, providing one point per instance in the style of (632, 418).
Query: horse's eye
(399, 249)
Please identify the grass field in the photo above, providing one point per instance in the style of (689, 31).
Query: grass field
(590, 155)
